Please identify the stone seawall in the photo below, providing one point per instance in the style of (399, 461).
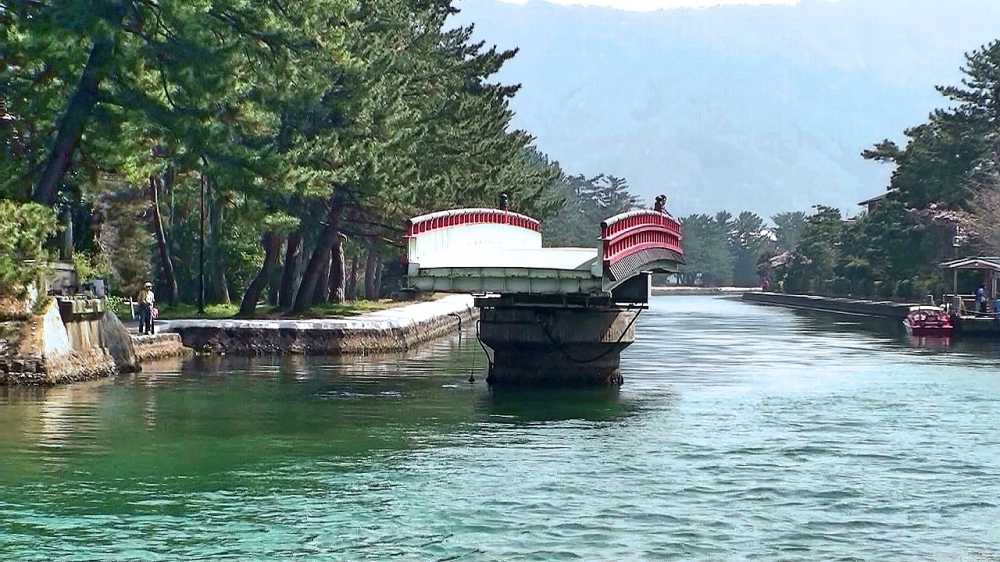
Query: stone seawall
(158, 346)
(47, 352)
(878, 309)
(395, 329)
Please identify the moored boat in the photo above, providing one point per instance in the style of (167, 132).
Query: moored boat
(925, 320)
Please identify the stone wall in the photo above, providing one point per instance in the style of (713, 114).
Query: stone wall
(47, 355)
(158, 346)
(390, 330)
(879, 309)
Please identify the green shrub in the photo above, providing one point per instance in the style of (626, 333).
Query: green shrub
(840, 286)
(884, 290)
(906, 289)
(118, 305)
(89, 268)
(23, 231)
(864, 288)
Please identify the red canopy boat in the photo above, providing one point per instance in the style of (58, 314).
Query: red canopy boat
(926, 320)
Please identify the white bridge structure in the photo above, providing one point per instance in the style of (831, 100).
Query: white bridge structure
(549, 315)
(500, 252)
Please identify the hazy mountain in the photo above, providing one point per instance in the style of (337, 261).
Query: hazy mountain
(761, 108)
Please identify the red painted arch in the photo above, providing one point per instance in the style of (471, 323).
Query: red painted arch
(459, 217)
(635, 231)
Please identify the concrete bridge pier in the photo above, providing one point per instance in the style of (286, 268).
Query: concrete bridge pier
(538, 345)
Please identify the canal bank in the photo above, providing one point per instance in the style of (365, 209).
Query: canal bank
(394, 329)
(675, 290)
(877, 309)
(73, 339)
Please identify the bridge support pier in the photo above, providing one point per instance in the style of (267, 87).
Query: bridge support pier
(538, 344)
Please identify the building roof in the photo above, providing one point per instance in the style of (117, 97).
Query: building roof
(980, 263)
(877, 198)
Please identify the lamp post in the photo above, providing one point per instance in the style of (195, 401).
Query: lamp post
(956, 301)
(201, 248)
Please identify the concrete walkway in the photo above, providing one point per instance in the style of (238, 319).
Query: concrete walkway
(393, 329)
(397, 317)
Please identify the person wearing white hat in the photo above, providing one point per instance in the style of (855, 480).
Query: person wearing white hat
(146, 302)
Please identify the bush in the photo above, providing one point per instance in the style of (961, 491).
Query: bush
(841, 286)
(23, 231)
(118, 305)
(906, 289)
(864, 288)
(884, 290)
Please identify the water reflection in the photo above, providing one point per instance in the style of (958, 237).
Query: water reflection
(741, 432)
(929, 342)
(522, 405)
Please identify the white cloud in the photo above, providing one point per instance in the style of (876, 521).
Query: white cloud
(652, 5)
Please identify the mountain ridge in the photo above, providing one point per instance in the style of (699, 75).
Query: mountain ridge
(760, 108)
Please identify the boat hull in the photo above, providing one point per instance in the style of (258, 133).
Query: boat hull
(929, 332)
(938, 331)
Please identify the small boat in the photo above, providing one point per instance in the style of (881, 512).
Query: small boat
(924, 320)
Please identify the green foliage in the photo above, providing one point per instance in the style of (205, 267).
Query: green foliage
(788, 228)
(748, 240)
(23, 231)
(946, 158)
(117, 304)
(906, 289)
(812, 266)
(90, 267)
(273, 108)
(184, 310)
(588, 201)
(123, 240)
(706, 250)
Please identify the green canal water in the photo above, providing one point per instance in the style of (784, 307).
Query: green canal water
(742, 432)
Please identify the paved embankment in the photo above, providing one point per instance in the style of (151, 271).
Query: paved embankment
(880, 309)
(394, 329)
(674, 290)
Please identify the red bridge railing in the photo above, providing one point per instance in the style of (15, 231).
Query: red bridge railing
(629, 233)
(458, 217)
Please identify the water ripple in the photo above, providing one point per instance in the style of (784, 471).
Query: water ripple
(742, 432)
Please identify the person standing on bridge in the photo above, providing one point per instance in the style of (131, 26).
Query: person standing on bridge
(660, 204)
(146, 300)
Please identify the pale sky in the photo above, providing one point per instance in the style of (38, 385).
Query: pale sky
(651, 5)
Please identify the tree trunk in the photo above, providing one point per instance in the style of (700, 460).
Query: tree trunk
(272, 247)
(293, 255)
(322, 293)
(274, 282)
(310, 277)
(351, 291)
(371, 275)
(217, 254)
(313, 270)
(336, 282)
(73, 121)
(169, 277)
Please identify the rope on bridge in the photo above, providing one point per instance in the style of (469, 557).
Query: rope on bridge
(488, 360)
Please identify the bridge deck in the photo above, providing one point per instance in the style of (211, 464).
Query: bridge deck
(531, 271)
(568, 259)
